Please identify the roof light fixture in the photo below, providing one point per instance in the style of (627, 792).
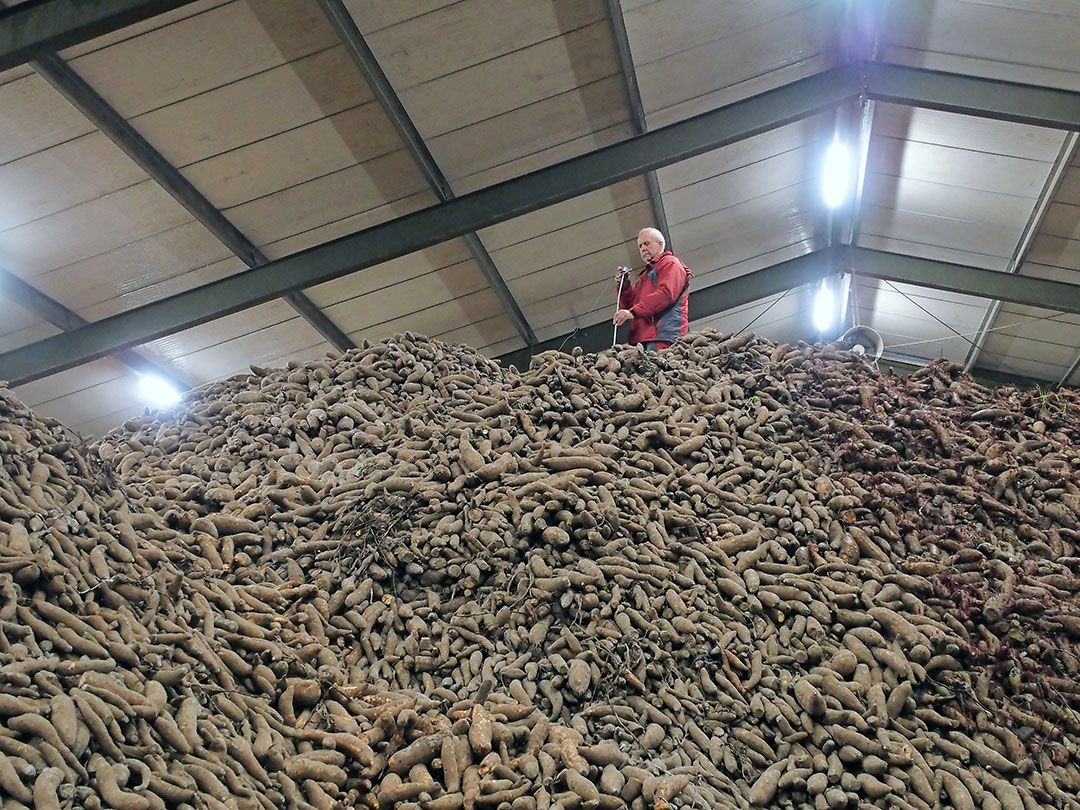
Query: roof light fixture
(157, 391)
(837, 175)
(824, 309)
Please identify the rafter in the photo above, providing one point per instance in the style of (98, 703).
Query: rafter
(388, 99)
(115, 127)
(39, 28)
(1058, 170)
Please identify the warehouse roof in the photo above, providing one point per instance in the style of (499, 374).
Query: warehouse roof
(347, 169)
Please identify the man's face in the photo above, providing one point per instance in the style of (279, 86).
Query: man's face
(649, 247)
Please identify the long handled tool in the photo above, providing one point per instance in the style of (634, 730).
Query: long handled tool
(618, 299)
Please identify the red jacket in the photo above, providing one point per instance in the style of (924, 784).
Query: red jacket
(659, 300)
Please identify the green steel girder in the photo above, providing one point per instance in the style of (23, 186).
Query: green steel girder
(439, 223)
(40, 27)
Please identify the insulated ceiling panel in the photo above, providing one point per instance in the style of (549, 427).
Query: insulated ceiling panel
(919, 322)
(101, 391)
(431, 292)
(697, 55)
(227, 345)
(944, 186)
(1027, 41)
(450, 66)
(750, 199)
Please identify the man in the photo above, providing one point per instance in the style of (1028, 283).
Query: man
(658, 302)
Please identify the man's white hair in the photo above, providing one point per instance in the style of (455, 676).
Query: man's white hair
(655, 234)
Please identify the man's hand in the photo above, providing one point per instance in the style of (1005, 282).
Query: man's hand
(622, 316)
(621, 273)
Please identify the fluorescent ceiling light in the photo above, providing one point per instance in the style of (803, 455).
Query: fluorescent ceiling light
(823, 308)
(157, 391)
(837, 178)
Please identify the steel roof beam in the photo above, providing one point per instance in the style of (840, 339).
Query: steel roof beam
(973, 95)
(637, 110)
(439, 223)
(1058, 170)
(41, 27)
(1069, 374)
(711, 300)
(726, 295)
(550, 185)
(388, 99)
(1057, 296)
(52, 311)
(87, 101)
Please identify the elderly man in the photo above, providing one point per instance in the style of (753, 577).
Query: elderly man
(658, 301)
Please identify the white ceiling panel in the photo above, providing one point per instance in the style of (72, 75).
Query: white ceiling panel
(379, 14)
(966, 132)
(97, 372)
(1020, 41)
(544, 157)
(1001, 351)
(373, 279)
(201, 340)
(295, 156)
(1023, 368)
(35, 118)
(476, 318)
(532, 131)
(1053, 251)
(268, 346)
(395, 299)
(90, 228)
(919, 322)
(782, 317)
(576, 279)
(460, 35)
(120, 395)
(496, 331)
(1034, 323)
(1069, 191)
(709, 269)
(134, 30)
(1062, 220)
(939, 253)
(313, 87)
(450, 68)
(61, 177)
(140, 271)
(373, 186)
(1007, 211)
(938, 231)
(739, 185)
(564, 214)
(965, 168)
(697, 55)
(761, 147)
(767, 222)
(26, 329)
(461, 99)
(200, 53)
(577, 240)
